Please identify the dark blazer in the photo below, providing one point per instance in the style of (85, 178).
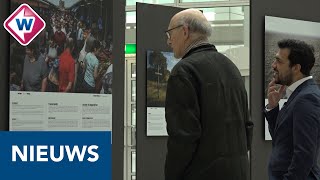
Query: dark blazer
(206, 114)
(295, 132)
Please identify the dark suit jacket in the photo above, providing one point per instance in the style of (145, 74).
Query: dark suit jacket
(206, 114)
(295, 132)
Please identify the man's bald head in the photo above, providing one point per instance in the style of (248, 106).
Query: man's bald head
(185, 28)
(195, 20)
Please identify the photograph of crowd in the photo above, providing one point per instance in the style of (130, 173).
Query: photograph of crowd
(277, 29)
(159, 66)
(72, 54)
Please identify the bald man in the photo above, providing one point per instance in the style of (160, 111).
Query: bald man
(206, 107)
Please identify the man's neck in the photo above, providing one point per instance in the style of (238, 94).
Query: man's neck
(297, 78)
(195, 43)
(290, 89)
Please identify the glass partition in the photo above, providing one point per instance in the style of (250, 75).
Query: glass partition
(133, 2)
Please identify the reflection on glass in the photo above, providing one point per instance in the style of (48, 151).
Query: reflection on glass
(201, 0)
(133, 138)
(158, 1)
(216, 14)
(133, 114)
(133, 161)
(224, 13)
(133, 70)
(236, 13)
(132, 2)
(133, 91)
(230, 27)
(224, 48)
(131, 17)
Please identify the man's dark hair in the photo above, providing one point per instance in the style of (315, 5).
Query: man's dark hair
(300, 53)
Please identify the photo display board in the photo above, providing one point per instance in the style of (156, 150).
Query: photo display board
(53, 87)
(277, 29)
(159, 67)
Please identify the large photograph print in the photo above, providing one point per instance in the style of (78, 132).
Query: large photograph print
(159, 67)
(62, 80)
(277, 29)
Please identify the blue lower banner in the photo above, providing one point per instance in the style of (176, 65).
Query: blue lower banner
(55, 155)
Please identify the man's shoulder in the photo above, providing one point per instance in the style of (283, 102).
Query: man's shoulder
(182, 67)
(311, 87)
(311, 93)
(203, 51)
(204, 55)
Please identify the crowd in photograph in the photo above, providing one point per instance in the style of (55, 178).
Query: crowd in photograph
(72, 54)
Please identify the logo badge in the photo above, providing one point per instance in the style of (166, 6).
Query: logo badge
(24, 24)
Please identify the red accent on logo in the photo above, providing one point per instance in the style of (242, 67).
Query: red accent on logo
(30, 29)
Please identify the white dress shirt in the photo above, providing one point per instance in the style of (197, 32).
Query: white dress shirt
(293, 87)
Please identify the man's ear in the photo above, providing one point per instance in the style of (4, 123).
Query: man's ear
(297, 67)
(186, 31)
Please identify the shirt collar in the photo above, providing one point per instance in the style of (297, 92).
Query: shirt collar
(195, 44)
(294, 86)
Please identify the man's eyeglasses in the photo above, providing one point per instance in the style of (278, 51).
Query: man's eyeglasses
(167, 31)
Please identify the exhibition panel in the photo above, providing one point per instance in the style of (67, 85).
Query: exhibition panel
(261, 148)
(73, 54)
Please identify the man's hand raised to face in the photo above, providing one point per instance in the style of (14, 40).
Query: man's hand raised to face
(274, 95)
